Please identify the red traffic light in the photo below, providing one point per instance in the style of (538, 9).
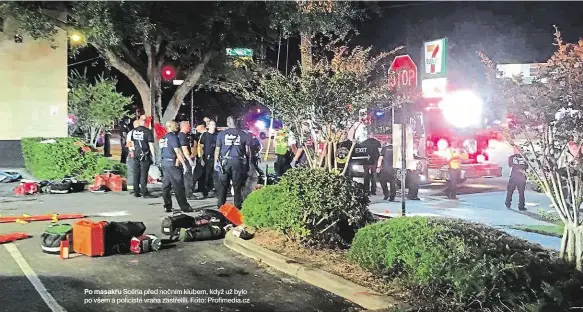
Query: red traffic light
(168, 72)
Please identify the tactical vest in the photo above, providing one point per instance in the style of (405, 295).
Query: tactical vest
(281, 144)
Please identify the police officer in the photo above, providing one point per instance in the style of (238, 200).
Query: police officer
(198, 150)
(518, 167)
(173, 167)
(372, 148)
(387, 172)
(185, 140)
(209, 142)
(125, 128)
(232, 161)
(143, 142)
(255, 149)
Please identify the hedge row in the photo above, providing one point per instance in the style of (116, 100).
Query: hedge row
(64, 157)
(315, 207)
(462, 266)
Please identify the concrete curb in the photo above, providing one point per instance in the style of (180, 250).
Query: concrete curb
(362, 296)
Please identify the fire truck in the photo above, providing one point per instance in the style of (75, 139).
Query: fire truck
(454, 121)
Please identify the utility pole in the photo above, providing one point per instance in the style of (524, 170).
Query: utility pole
(403, 156)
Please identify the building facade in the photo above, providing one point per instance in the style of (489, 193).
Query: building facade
(33, 88)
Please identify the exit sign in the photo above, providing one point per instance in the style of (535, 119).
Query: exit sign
(239, 52)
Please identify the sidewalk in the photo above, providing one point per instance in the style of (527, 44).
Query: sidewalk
(486, 208)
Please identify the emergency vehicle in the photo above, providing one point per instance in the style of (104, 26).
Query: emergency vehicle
(455, 121)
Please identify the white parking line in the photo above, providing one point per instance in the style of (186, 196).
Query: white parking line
(33, 278)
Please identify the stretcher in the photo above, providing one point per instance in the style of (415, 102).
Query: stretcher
(47, 217)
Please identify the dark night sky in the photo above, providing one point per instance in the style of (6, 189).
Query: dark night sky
(508, 32)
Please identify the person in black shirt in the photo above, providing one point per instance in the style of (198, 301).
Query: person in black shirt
(173, 167)
(255, 148)
(198, 150)
(125, 129)
(387, 172)
(518, 168)
(372, 147)
(232, 162)
(185, 140)
(143, 142)
(209, 142)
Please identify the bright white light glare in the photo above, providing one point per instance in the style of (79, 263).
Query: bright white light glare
(442, 144)
(481, 158)
(462, 109)
(260, 124)
(176, 82)
(423, 178)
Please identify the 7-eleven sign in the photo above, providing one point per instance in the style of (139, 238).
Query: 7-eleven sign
(434, 57)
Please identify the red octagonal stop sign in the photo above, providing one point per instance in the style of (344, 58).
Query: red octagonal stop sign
(402, 75)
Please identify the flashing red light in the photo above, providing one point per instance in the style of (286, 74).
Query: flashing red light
(168, 72)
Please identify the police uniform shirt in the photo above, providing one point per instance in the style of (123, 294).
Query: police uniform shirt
(255, 145)
(168, 143)
(371, 148)
(209, 141)
(141, 137)
(184, 139)
(233, 141)
(518, 166)
(387, 153)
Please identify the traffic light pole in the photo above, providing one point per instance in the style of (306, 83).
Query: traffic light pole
(403, 157)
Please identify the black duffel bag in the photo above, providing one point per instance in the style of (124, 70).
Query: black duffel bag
(118, 236)
(175, 221)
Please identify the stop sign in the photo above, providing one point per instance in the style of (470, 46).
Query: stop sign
(402, 75)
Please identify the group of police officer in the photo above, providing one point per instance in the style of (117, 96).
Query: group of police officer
(230, 154)
(187, 158)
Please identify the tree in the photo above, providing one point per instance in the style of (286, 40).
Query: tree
(312, 18)
(550, 118)
(95, 105)
(325, 99)
(138, 38)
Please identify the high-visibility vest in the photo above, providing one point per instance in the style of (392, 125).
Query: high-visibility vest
(455, 161)
(281, 143)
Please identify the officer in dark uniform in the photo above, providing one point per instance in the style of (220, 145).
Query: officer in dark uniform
(125, 128)
(143, 141)
(209, 142)
(255, 148)
(173, 167)
(518, 168)
(232, 162)
(387, 172)
(372, 148)
(185, 139)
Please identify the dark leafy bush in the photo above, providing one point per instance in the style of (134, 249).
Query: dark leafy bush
(315, 207)
(462, 266)
(65, 157)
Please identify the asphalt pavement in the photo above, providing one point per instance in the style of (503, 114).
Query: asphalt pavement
(198, 276)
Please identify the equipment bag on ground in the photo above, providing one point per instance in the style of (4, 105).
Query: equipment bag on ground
(172, 224)
(50, 240)
(199, 233)
(119, 235)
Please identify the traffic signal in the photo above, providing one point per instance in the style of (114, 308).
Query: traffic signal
(168, 72)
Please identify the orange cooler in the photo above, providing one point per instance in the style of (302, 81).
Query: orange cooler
(89, 238)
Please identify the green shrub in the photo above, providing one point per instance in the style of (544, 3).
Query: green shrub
(462, 266)
(315, 207)
(270, 207)
(53, 161)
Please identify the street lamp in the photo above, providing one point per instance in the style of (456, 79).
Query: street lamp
(77, 38)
